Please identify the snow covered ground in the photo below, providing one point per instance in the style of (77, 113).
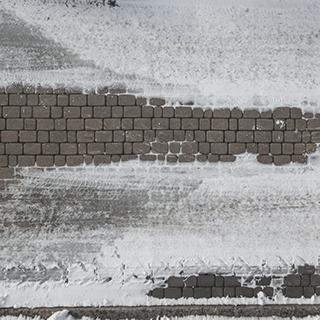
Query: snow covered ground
(105, 236)
(222, 52)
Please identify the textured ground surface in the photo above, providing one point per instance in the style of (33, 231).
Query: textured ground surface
(117, 229)
(239, 52)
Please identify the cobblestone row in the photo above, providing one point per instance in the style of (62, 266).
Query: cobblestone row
(304, 283)
(46, 127)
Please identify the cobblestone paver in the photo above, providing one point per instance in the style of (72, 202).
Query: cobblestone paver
(46, 126)
(302, 283)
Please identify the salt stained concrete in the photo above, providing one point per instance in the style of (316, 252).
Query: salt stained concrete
(222, 52)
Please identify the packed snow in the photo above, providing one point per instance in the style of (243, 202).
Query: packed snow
(221, 52)
(107, 235)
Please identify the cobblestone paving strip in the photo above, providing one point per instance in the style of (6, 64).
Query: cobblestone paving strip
(57, 127)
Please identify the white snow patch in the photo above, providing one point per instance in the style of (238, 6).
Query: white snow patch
(222, 52)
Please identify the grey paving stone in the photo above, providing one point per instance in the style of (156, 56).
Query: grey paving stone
(141, 147)
(96, 100)
(157, 102)
(221, 113)
(165, 135)
(265, 124)
(14, 148)
(262, 136)
(237, 148)
(71, 112)
(141, 101)
(277, 136)
(11, 112)
(142, 123)
(306, 269)
(292, 280)
(281, 113)
(17, 99)
(275, 148)
(6, 173)
(62, 100)
(27, 136)
(14, 124)
(148, 157)
(147, 112)
(173, 293)
(206, 280)
(215, 136)
(252, 148)
(159, 147)
(229, 292)
(266, 114)
(68, 148)
(78, 100)
(108, 124)
(149, 135)
(315, 280)
(74, 160)
(175, 282)
(308, 292)
(101, 112)
(244, 292)
(111, 100)
(187, 292)
(45, 124)
(114, 148)
(32, 148)
(247, 124)
(32, 99)
(183, 112)
(132, 112)
(287, 148)
(175, 124)
(280, 160)
(168, 112)
(47, 99)
(44, 161)
(190, 281)
(268, 291)
(157, 112)
(217, 292)
(219, 148)
(202, 292)
(50, 148)
(4, 99)
(95, 148)
(219, 281)
(296, 113)
(197, 113)
(127, 124)
(186, 158)
(227, 158)
(189, 147)
(77, 124)
(171, 158)
(236, 113)
(219, 124)
(313, 124)
(41, 112)
(293, 292)
(117, 112)
(190, 124)
(251, 113)
(245, 136)
(26, 161)
(160, 123)
(292, 136)
(231, 281)
(233, 124)
(9, 136)
(200, 136)
(208, 113)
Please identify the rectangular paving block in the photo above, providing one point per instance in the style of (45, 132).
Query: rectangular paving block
(292, 280)
(175, 282)
(202, 292)
(206, 280)
(244, 292)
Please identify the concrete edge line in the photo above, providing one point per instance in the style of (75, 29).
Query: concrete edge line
(152, 312)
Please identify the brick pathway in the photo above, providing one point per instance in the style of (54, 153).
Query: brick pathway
(46, 127)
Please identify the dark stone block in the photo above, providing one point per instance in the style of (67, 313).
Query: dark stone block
(308, 292)
(175, 282)
(306, 269)
(268, 291)
(244, 292)
(305, 280)
(231, 281)
(191, 281)
(157, 293)
(293, 292)
(187, 292)
(263, 281)
(219, 281)
(217, 292)
(206, 280)
(315, 280)
(229, 292)
(202, 292)
(173, 293)
(292, 280)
